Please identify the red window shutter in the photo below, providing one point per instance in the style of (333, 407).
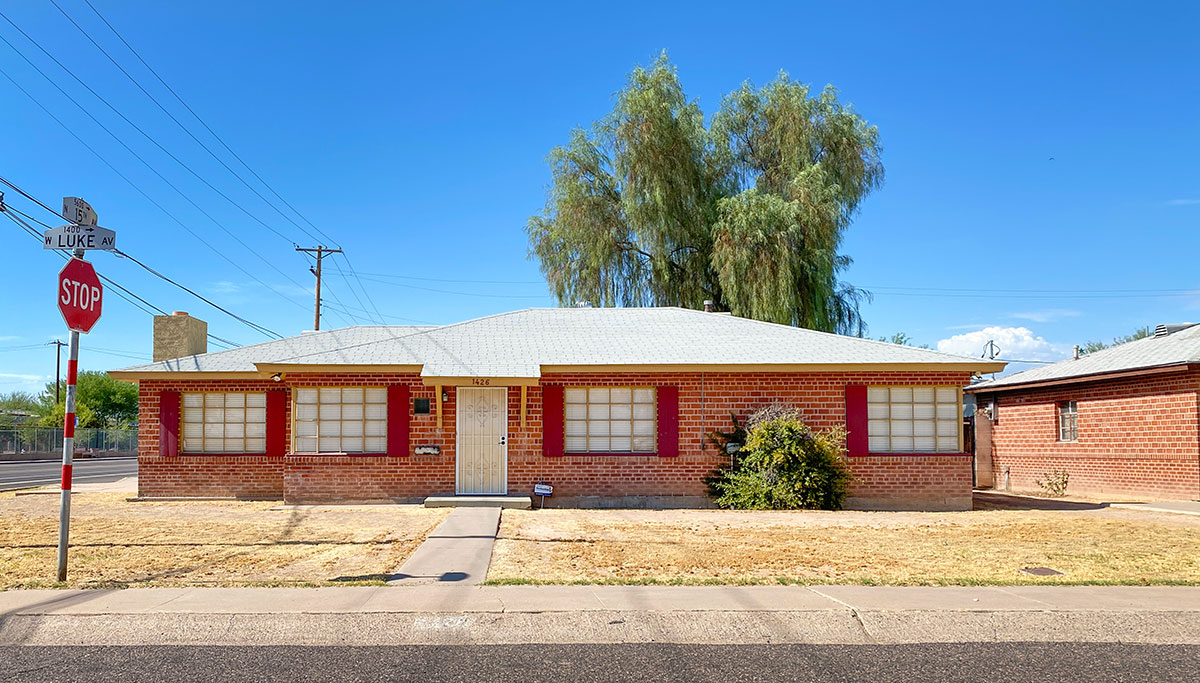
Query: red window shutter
(668, 422)
(552, 420)
(276, 422)
(397, 425)
(168, 423)
(856, 420)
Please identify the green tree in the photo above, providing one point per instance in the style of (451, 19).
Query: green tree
(52, 414)
(112, 403)
(1093, 346)
(902, 339)
(651, 207)
(13, 404)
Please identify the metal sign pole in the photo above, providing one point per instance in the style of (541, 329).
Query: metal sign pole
(64, 510)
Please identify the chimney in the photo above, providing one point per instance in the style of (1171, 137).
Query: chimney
(708, 306)
(178, 335)
(1077, 352)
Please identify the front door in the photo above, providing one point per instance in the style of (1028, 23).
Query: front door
(481, 451)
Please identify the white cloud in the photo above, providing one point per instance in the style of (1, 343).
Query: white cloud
(1183, 202)
(1047, 315)
(1018, 343)
(8, 337)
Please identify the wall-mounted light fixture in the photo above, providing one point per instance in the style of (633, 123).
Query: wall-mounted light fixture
(445, 395)
(277, 377)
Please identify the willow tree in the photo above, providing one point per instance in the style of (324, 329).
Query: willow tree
(651, 207)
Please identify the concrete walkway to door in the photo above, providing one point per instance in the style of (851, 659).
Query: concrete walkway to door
(458, 551)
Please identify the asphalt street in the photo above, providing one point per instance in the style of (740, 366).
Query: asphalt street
(627, 663)
(23, 474)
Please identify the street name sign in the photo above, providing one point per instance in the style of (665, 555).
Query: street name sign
(78, 211)
(86, 237)
(80, 295)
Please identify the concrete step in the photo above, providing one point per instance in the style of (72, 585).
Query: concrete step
(517, 502)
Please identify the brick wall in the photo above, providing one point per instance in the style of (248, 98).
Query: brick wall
(705, 403)
(1137, 436)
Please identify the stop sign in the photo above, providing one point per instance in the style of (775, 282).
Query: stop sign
(79, 295)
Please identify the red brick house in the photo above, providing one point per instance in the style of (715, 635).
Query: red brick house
(1123, 421)
(610, 406)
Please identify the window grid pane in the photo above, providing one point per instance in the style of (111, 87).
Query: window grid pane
(219, 422)
(609, 419)
(913, 419)
(1068, 421)
(340, 420)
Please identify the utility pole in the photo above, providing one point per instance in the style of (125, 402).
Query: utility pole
(320, 251)
(57, 344)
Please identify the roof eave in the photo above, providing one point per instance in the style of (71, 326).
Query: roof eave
(964, 366)
(1079, 379)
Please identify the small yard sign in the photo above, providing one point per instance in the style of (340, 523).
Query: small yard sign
(543, 490)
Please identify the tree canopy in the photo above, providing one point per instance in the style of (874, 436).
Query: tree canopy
(100, 401)
(1140, 333)
(652, 207)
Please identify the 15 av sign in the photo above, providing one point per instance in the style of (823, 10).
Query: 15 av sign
(80, 295)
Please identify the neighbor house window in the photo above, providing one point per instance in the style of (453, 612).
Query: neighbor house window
(609, 420)
(340, 420)
(914, 419)
(1068, 421)
(233, 422)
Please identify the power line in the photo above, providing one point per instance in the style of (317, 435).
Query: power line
(136, 187)
(391, 317)
(210, 302)
(475, 282)
(203, 123)
(121, 292)
(177, 121)
(447, 291)
(219, 139)
(358, 279)
(136, 127)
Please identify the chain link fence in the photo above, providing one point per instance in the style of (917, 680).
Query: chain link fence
(35, 441)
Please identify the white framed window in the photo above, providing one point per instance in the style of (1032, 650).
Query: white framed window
(340, 420)
(914, 419)
(610, 419)
(224, 422)
(1068, 421)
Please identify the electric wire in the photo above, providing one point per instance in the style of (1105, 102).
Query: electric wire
(148, 198)
(122, 292)
(136, 127)
(210, 302)
(217, 137)
(360, 285)
(205, 124)
(184, 128)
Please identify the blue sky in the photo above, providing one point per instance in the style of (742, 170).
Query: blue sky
(1039, 156)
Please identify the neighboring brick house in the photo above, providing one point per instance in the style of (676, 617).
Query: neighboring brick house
(610, 406)
(1122, 421)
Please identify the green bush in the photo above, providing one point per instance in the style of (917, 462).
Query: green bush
(785, 465)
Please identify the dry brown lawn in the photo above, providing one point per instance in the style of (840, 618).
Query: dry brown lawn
(904, 548)
(120, 543)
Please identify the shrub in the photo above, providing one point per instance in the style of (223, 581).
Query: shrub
(774, 411)
(1054, 483)
(784, 466)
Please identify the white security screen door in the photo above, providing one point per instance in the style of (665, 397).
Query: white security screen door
(481, 451)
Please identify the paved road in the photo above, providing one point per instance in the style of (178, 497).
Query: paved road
(25, 474)
(626, 663)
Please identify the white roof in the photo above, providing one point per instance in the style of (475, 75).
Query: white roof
(520, 343)
(1181, 346)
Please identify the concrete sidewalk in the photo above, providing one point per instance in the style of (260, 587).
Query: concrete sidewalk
(456, 614)
(458, 551)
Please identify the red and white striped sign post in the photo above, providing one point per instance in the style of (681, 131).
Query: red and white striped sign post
(80, 296)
